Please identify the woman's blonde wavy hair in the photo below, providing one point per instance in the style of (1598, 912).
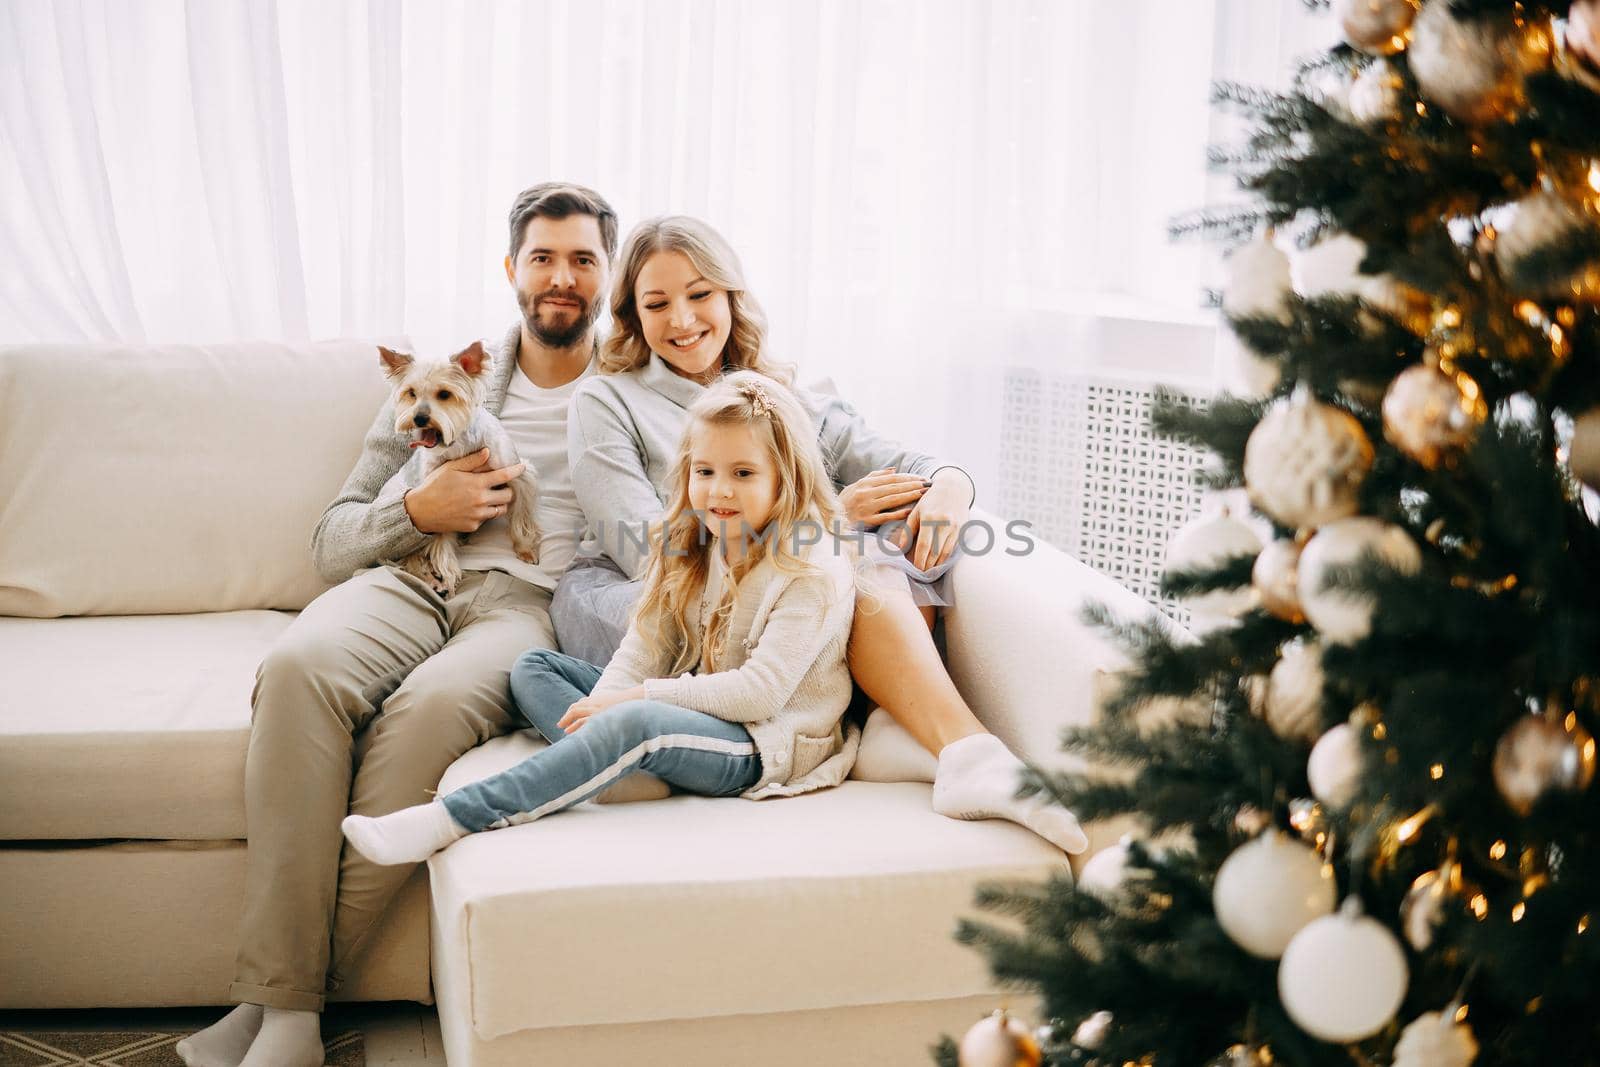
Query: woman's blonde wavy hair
(680, 557)
(625, 349)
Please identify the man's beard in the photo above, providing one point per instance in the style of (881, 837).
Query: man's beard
(557, 336)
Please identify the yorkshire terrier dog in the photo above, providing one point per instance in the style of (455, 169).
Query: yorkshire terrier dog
(439, 404)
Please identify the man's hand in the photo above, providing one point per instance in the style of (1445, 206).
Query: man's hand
(460, 496)
(583, 710)
(882, 496)
(934, 524)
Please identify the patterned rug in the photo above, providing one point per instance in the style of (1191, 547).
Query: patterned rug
(132, 1048)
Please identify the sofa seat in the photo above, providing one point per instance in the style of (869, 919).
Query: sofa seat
(128, 726)
(693, 907)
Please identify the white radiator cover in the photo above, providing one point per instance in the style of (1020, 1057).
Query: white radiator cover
(1078, 461)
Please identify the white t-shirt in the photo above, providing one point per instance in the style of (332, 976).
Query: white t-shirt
(536, 419)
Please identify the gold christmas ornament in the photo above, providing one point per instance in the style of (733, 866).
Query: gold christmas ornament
(1435, 1039)
(999, 1041)
(1541, 753)
(1377, 27)
(1245, 1056)
(1429, 899)
(1305, 461)
(1293, 706)
(1473, 68)
(1541, 218)
(1275, 577)
(1583, 452)
(1432, 416)
(1308, 819)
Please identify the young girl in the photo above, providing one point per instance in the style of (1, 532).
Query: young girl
(732, 678)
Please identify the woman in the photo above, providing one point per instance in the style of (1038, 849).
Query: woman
(681, 316)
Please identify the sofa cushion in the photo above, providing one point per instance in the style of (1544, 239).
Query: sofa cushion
(1019, 649)
(693, 907)
(176, 478)
(128, 726)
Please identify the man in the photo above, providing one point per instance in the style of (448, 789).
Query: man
(381, 671)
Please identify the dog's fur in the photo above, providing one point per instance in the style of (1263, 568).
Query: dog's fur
(438, 403)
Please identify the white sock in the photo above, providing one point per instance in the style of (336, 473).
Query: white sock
(889, 753)
(287, 1039)
(978, 779)
(225, 1042)
(409, 835)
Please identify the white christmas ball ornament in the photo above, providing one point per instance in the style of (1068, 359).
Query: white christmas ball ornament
(1258, 283)
(1343, 977)
(1294, 692)
(1267, 890)
(1377, 27)
(1207, 543)
(1305, 461)
(1331, 267)
(1435, 1039)
(1106, 872)
(1542, 218)
(1375, 94)
(1334, 769)
(1340, 614)
(1583, 456)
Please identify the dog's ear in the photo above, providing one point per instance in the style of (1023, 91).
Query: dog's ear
(395, 364)
(471, 359)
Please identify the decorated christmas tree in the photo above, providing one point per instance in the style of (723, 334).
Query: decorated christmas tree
(1368, 834)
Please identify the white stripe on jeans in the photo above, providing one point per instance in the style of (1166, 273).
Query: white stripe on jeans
(606, 776)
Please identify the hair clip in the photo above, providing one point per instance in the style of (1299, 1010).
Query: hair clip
(759, 400)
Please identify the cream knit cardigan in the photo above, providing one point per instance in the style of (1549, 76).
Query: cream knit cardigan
(785, 677)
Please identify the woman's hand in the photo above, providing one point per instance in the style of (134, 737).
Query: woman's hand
(934, 525)
(882, 496)
(583, 710)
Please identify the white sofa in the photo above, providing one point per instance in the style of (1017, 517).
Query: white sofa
(155, 509)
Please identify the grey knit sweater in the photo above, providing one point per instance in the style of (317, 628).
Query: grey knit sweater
(785, 678)
(622, 437)
(367, 522)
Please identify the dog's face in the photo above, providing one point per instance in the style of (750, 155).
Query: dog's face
(434, 398)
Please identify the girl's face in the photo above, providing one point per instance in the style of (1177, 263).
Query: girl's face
(733, 483)
(686, 320)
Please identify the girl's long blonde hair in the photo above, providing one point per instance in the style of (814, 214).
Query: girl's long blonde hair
(625, 349)
(680, 557)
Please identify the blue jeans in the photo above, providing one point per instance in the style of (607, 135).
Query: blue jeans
(691, 750)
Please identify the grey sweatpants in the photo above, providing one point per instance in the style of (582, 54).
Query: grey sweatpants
(361, 706)
(591, 609)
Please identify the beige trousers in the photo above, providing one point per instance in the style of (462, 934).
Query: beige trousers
(360, 707)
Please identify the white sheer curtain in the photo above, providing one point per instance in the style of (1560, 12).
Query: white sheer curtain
(923, 191)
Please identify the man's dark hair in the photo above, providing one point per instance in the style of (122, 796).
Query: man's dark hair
(557, 200)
